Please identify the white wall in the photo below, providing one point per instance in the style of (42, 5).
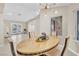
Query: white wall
(44, 24)
(1, 30)
(1, 25)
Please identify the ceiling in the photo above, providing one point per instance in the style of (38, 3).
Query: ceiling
(23, 11)
(20, 11)
(1, 7)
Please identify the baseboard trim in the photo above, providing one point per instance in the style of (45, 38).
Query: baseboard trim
(71, 50)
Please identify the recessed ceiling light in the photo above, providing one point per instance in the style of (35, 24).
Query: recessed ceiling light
(45, 15)
(56, 12)
(19, 14)
(9, 14)
(37, 12)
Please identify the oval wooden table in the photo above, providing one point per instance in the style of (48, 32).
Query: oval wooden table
(31, 47)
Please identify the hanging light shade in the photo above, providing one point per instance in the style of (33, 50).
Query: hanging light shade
(45, 8)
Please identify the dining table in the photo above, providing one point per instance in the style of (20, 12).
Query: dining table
(32, 47)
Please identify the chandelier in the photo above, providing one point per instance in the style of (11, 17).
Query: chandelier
(45, 7)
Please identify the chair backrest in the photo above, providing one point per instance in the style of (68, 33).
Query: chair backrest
(12, 49)
(65, 46)
(29, 35)
(42, 55)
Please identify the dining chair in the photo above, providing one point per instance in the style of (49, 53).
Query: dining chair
(11, 45)
(56, 51)
(12, 49)
(65, 46)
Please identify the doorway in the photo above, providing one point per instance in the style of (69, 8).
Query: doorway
(56, 25)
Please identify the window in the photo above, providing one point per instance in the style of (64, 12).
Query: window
(15, 28)
(77, 25)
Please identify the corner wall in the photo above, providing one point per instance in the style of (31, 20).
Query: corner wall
(1, 25)
(1, 30)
